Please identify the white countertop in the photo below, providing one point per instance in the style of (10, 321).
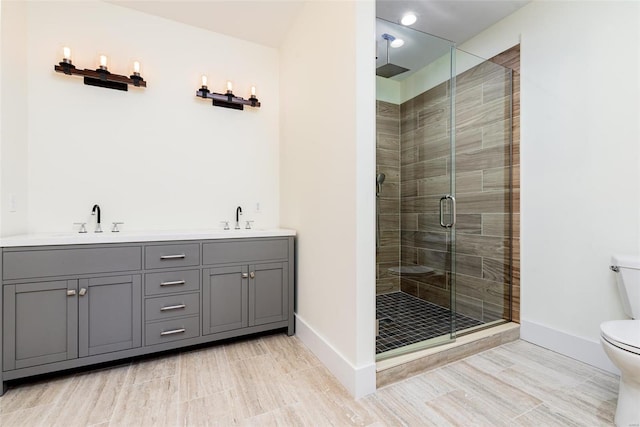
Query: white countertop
(136, 236)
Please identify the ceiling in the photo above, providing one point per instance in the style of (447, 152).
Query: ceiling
(260, 21)
(267, 22)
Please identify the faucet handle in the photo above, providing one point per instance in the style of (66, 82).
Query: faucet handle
(226, 224)
(83, 228)
(114, 228)
(248, 226)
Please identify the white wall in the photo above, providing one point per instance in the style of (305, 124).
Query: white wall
(580, 161)
(13, 118)
(155, 158)
(327, 183)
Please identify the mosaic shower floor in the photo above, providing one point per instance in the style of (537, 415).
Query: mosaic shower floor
(405, 319)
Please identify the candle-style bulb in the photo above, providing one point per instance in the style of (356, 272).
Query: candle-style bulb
(204, 80)
(229, 86)
(136, 67)
(103, 61)
(66, 53)
(253, 91)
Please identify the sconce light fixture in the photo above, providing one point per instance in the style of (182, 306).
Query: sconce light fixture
(228, 99)
(101, 77)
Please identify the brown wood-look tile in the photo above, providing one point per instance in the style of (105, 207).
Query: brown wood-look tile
(475, 76)
(438, 113)
(409, 188)
(434, 294)
(468, 141)
(469, 182)
(418, 205)
(390, 238)
(484, 115)
(388, 204)
(486, 246)
(496, 270)
(408, 122)
(434, 186)
(409, 155)
(424, 240)
(387, 110)
(469, 306)
(484, 202)
(389, 221)
(412, 138)
(482, 289)
(497, 134)
(496, 179)
(387, 254)
(486, 158)
(497, 87)
(468, 223)
(392, 174)
(386, 157)
(387, 285)
(409, 286)
(409, 221)
(387, 141)
(497, 224)
(424, 169)
(409, 254)
(387, 126)
(434, 148)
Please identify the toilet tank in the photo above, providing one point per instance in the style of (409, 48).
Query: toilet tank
(628, 279)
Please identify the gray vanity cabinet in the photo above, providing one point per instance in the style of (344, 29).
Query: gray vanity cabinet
(110, 314)
(225, 296)
(268, 293)
(241, 296)
(40, 321)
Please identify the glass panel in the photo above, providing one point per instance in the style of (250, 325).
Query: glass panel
(483, 180)
(414, 171)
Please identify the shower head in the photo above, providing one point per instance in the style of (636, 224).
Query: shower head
(389, 70)
(379, 180)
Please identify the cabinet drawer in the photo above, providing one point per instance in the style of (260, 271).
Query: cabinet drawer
(172, 330)
(171, 306)
(164, 256)
(67, 262)
(171, 281)
(244, 251)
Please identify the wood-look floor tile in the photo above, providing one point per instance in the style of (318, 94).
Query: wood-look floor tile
(30, 395)
(212, 410)
(506, 400)
(204, 372)
(34, 416)
(90, 398)
(244, 348)
(153, 368)
(461, 408)
(289, 353)
(151, 403)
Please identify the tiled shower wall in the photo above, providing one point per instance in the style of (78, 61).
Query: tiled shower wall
(388, 162)
(483, 238)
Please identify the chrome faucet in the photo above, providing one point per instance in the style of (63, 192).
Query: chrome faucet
(95, 209)
(238, 213)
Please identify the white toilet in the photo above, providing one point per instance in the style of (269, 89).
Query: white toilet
(621, 340)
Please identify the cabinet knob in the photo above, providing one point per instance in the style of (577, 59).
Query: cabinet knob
(245, 275)
(71, 292)
(82, 292)
(252, 275)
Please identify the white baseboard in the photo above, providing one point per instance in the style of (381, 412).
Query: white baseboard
(579, 348)
(359, 381)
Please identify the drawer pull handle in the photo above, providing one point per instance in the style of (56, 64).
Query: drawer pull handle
(177, 256)
(173, 307)
(173, 331)
(173, 283)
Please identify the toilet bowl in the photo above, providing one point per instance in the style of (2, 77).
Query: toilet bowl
(621, 342)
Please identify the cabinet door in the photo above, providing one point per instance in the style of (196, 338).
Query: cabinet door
(224, 305)
(268, 293)
(110, 314)
(40, 323)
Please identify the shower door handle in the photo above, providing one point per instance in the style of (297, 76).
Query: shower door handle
(443, 200)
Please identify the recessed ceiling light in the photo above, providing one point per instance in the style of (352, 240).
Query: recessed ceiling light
(408, 19)
(397, 43)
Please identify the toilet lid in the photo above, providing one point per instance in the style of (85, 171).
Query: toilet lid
(622, 333)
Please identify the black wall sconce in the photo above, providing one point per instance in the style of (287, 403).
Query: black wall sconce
(228, 100)
(101, 77)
